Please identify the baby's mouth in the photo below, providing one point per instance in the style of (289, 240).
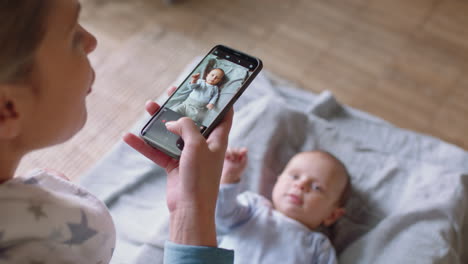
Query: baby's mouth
(295, 199)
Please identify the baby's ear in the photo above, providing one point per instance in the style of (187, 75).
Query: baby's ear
(336, 214)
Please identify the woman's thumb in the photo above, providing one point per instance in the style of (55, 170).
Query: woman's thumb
(185, 128)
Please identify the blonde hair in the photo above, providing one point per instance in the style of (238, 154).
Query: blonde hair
(22, 30)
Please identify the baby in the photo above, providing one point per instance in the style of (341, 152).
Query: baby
(203, 95)
(311, 192)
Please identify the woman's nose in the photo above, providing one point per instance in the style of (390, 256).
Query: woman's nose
(90, 42)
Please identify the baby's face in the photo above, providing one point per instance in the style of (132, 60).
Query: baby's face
(308, 189)
(214, 77)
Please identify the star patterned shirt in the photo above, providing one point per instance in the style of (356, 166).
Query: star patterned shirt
(47, 219)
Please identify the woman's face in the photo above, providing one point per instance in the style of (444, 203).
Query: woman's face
(62, 76)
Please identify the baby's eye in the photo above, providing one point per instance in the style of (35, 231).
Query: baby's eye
(294, 176)
(316, 187)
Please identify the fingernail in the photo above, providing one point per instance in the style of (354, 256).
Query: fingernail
(170, 123)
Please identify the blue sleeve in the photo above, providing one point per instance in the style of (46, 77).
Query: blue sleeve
(230, 212)
(214, 96)
(185, 254)
(195, 85)
(192, 86)
(325, 253)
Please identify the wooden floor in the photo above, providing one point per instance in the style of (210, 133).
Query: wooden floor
(405, 61)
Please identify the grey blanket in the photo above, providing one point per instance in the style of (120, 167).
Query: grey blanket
(410, 190)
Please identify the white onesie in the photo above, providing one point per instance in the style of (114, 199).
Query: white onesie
(47, 219)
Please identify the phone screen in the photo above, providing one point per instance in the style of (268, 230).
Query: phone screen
(205, 93)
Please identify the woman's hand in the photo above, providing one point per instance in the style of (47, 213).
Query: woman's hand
(193, 181)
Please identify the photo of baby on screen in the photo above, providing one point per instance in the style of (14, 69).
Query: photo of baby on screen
(203, 95)
(210, 87)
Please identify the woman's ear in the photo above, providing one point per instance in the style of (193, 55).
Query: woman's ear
(9, 116)
(336, 214)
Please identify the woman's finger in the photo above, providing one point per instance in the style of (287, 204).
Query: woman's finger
(218, 139)
(171, 90)
(153, 154)
(186, 129)
(151, 107)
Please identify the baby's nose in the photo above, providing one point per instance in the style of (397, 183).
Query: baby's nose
(300, 185)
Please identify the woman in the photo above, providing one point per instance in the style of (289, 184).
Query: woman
(45, 77)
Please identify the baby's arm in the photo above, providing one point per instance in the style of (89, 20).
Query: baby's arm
(325, 253)
(235, 162)
(195, 78)
(195, 82)
(214, 98)
(229, 211)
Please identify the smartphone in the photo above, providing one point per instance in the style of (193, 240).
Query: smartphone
(205, 96)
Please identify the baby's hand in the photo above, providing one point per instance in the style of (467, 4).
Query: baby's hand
(210, 106)
(195, 77)
(235, 162)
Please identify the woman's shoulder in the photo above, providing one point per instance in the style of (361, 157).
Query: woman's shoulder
(42, 208)
(52, 192)
(45, 184)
